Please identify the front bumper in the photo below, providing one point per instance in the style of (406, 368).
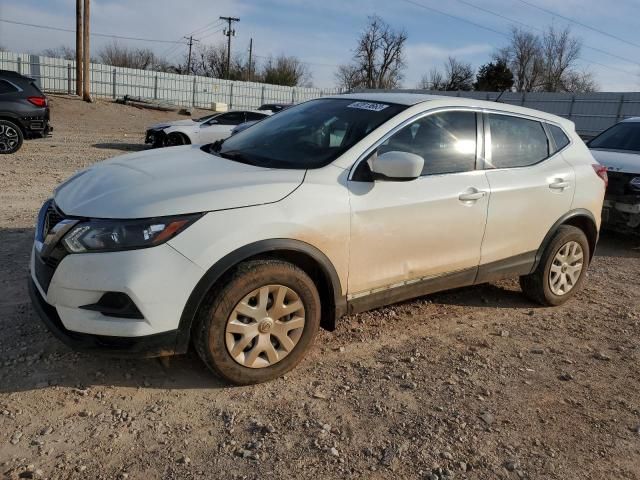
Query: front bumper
(162, 344)
(622, 213)
(157, 280)
(155, 137)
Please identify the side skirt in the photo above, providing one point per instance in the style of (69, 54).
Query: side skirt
(411, 290)
(516, 266)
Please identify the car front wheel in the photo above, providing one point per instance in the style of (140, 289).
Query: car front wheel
(562, 268)
(260, 323)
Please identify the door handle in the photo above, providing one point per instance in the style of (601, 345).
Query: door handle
(559, 184)
(471, 195)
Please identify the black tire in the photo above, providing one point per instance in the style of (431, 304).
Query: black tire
(537, 285)
(209, 331)
(11, 137)
(175, 139)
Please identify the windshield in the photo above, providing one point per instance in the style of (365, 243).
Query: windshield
(309, 135)
(623, 136)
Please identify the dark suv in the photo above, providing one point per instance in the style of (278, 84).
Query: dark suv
(24, 111)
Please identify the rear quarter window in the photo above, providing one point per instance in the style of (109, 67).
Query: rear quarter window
(6, 87)
(559, 137)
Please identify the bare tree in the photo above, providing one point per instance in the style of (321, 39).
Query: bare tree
(560, 51)
(523, 56)
(457, 76)
(580, 82)
(123, 56)
(348, 77)
(211, 61)
(285, 70)
(63, 51)
(546, 63)
(434, 80)
(378, 60)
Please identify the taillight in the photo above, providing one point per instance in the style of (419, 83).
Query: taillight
(601, 171)
(38, 101)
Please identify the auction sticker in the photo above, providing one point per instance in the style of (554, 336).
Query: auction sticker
(374, 107)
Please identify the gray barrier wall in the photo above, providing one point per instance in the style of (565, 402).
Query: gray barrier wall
(56, 75)
(591, 112)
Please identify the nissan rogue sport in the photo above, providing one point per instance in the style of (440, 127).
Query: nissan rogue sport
(334, 206)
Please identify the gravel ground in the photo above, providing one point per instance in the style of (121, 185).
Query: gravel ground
(476, 383)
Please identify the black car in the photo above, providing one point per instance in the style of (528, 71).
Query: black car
(274, 107)
(24, 111)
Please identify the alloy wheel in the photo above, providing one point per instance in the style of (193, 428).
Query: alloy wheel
(566, 268)
(265, 326)
(8, 138)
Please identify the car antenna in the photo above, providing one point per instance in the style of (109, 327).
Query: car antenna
(497, 100)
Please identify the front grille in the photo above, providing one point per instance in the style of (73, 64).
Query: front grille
(45, 266)
(620, 183)
(52, 217)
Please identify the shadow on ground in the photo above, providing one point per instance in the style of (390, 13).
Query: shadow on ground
(31, 358)
(124, 147)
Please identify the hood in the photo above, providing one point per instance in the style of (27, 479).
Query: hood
(618, 161)
(171, 181)
(175, 123)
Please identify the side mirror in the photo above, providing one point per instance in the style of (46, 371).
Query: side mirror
(396, 166)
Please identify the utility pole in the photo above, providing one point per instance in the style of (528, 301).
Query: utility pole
(250, 55)
(79, 47)
(86, 76)
(190, 38)
(229, 32)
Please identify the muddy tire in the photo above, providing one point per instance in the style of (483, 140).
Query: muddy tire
(259, 323)
(11, 137)
(562, 268)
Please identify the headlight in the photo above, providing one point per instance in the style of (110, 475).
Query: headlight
(635, 183)
(114, 235)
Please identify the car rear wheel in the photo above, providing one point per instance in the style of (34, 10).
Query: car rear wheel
(10, 137)
(562, 268)
(260, 323)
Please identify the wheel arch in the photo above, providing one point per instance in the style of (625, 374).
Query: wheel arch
(303, 255)
(579, 218)
(15, 119)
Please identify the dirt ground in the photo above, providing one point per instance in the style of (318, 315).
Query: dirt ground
(477, 383)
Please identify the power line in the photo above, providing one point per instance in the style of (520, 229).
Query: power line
(503, 34)
(46, 27)
(513, 20)
(212, 33)
(584, 25)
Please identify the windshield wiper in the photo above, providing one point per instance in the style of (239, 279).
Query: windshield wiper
(236, 156)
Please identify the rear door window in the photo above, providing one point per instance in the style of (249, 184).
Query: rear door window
(231, 118)
(516, 141)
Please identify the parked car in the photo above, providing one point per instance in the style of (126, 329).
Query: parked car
(155, 133)
(337, 205)
(216, 127)
(618, 149)
(24, 111)
(274, 107)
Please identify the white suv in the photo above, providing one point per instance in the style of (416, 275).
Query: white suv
(333, 206)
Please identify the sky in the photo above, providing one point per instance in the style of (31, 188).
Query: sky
(324, 33)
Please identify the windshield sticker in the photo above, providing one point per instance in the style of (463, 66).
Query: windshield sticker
(374, 107)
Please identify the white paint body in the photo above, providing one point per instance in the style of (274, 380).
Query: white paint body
(375, 234)
(208, 131)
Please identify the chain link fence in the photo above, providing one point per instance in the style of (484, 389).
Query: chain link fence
(57, 75)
